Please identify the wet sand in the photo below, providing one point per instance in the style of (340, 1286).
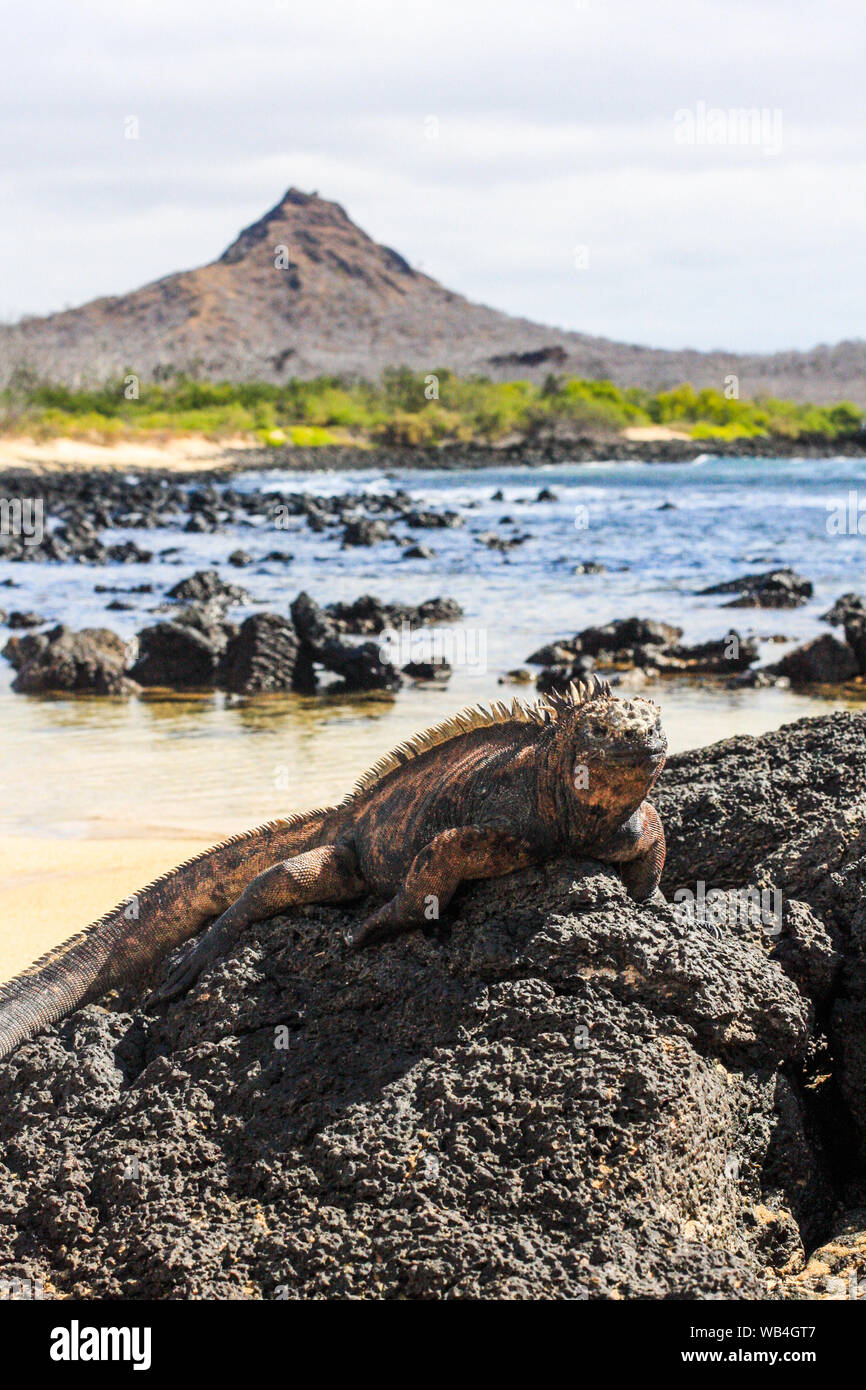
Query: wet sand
(51, 888)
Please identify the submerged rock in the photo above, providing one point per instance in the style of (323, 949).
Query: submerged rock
(206, 586)
(782, 588)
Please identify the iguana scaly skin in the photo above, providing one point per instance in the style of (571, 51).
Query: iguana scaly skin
(484, 794)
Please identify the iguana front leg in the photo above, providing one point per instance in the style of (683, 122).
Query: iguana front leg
(639, 848)
(436, 872)
(327, 874)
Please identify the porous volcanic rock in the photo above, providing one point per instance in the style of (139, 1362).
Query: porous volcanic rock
(551, 1092)
(483, 1109)
(266, 655)
(788, 811)
(177, 655)
(92, 661)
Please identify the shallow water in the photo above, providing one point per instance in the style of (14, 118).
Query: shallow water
(207, 765)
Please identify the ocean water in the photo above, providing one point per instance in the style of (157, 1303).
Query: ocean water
(207, 764)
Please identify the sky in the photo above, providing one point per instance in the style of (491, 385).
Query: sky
(583, 163)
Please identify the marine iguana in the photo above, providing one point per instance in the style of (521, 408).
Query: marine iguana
(486, 793)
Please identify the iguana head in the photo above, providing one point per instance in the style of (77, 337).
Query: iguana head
(612, 750)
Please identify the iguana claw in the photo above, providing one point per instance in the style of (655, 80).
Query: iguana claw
(183, 974)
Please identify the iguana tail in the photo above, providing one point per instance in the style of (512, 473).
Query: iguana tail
(124, 943)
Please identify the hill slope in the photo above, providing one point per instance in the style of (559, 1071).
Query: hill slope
(342, 303)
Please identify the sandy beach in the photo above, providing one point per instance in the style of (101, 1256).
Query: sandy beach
(51, 888)
(183, 455)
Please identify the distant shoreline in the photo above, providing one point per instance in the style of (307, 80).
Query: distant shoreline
(200, 457)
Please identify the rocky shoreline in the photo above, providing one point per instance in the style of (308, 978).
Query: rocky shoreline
(633, 652)
(507, 1104)
(197, 646)
(575, 449)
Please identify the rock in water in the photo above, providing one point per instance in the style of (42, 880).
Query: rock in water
(17, 619)
(206, 586)
(361, 667)
(365, 532)
(824, 660)
(92, 661)
(178, 656)
(264, 656)
(782, 588)
(846, 606)
(369, 614)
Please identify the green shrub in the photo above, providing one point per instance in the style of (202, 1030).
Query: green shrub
(406, 407)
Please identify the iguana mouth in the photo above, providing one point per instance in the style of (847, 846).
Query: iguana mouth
(649, 752)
